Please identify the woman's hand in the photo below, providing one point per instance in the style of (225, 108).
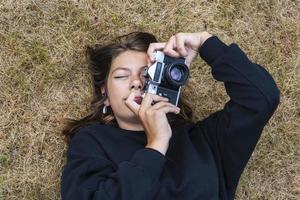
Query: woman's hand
(154, 119)
(180, 45)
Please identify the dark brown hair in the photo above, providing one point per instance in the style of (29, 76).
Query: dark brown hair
(99, 59)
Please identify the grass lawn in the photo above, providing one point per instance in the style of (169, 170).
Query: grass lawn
(43, 78)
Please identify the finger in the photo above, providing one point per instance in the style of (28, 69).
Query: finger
(192, 55)
(154, 47)
(162, 104)
(167, 109)
(180, 45)
(131, 104)
(149, 98)
(149, 62)
(170, 48)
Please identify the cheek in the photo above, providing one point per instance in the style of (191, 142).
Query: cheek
(119, 86)
(117, 91)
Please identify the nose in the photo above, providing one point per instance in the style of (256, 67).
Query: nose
(137, 84)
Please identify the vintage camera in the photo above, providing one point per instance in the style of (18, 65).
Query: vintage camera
(166, 76)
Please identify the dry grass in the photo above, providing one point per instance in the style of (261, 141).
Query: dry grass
(43, 78)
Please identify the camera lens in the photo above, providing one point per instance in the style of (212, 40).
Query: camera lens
(177, 74)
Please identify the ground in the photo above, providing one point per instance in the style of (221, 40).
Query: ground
(43, 79)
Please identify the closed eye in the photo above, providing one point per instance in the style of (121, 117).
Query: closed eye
(120, 76)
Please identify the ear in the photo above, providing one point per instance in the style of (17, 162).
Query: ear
(106, 102)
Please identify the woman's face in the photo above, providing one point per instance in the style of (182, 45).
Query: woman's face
(126, 76)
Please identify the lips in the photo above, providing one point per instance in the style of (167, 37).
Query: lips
(138, 99)
(135, 96)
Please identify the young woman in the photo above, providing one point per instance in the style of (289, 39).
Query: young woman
(133, 148)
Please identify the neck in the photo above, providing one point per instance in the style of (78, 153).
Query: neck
(130, 125)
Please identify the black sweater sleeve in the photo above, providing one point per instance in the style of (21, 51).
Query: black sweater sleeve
(89, 174)
(234, 131)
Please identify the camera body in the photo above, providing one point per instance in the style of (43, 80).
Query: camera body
(166, 76)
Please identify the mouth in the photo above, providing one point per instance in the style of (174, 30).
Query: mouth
(138, 99)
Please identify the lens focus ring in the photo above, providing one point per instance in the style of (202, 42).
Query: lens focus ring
(177, 74)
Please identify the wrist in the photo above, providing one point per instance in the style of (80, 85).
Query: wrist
(161, 146)
(203, 37)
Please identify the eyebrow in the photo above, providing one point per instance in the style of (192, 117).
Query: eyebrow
(126, 69)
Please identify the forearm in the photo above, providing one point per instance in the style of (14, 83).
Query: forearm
(248, 84)
(161, 146)
(89, 174)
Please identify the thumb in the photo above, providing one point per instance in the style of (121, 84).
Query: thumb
(131, 104)
(191, 56)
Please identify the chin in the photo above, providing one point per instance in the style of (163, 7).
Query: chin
(132, 116)
(126, 113)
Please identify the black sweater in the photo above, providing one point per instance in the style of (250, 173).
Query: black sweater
(204, 160)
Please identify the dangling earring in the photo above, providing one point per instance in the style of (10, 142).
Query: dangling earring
(104, 110)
